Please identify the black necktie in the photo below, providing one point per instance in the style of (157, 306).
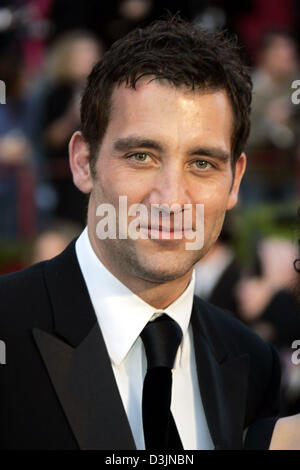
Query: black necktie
(161, 339)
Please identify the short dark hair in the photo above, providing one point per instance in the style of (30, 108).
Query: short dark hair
(179, 52)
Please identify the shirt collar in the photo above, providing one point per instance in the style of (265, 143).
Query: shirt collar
(121, 314)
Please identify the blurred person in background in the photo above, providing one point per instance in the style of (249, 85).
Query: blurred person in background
(260, 16)
(15, 148)
(274, 139)
(263, 298)
(268, 304)
(57, 116)
(128, 15)
(107, 20)
(26, 21)
(286, 432)
(53, 241)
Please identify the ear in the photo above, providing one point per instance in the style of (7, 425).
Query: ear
(240, 168)
(79, 157)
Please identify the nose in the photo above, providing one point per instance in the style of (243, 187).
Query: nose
(170, 187)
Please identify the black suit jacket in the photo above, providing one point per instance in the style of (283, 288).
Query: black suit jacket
(57, 388)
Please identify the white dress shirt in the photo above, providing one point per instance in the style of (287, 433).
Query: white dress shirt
(122, 315)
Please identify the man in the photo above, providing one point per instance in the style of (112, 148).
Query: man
(165, 117)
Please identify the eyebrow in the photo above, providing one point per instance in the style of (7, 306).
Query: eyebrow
(213, 152)
(128, 143)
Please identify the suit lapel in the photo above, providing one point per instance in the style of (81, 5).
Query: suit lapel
(78, 363)
(222, 380)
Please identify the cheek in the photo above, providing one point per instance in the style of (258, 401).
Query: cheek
(214, 196)
(114, 182)
(110, 183)
(214, 213)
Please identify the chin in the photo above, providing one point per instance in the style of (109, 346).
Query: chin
(162, 269)
(159, 275)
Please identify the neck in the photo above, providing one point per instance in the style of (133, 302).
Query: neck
(158, 295)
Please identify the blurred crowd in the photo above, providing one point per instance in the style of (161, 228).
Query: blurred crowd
(48, 48)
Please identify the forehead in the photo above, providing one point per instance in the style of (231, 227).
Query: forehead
(170, 112)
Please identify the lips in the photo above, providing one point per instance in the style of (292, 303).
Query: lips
(166, 229)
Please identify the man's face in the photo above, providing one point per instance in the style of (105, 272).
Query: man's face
(164, 145)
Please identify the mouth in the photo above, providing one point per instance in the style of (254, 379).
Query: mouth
(162, 232)
(165, 228)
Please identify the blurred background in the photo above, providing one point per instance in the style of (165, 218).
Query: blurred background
(47, 49)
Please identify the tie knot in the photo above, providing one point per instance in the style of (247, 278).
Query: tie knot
(161, 339)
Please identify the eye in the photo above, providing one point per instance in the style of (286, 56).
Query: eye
(202, 164)
(140, 157)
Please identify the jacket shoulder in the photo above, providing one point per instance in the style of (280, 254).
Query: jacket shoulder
(237, 337)
(23, 297)
(11, 284)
